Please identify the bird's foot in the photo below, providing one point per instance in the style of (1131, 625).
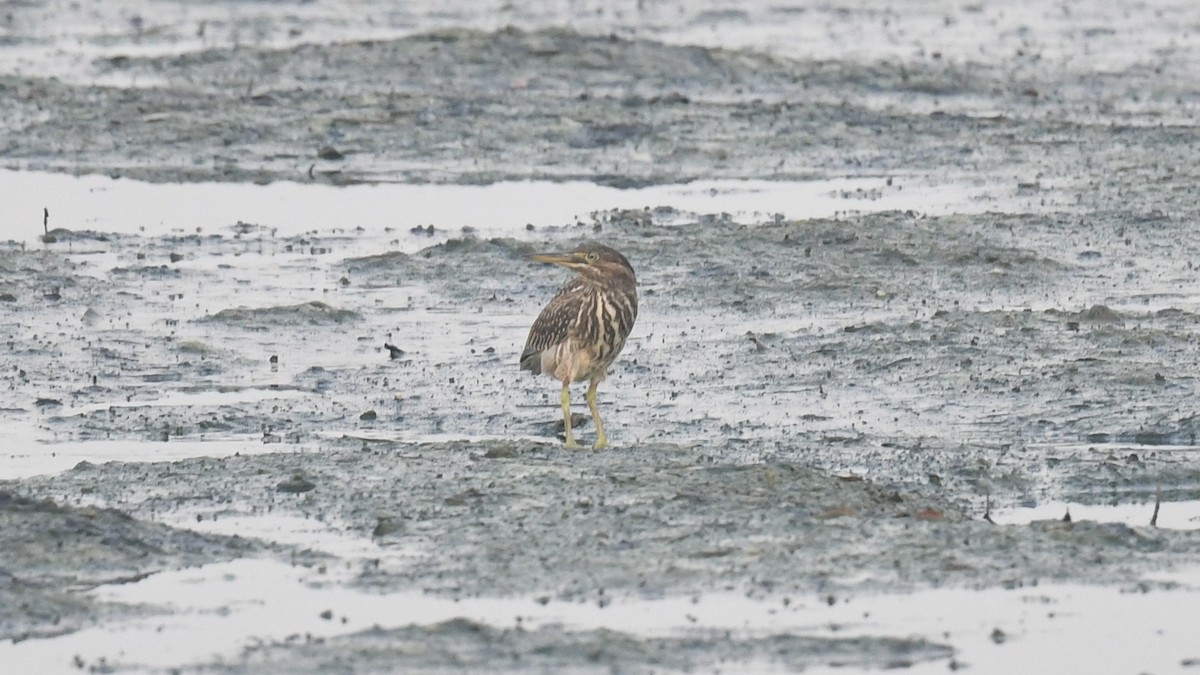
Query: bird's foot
(600, 445)
(571, 444)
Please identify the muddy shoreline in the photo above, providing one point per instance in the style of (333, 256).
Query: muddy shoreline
(809, 409)
(466, 106)
(792, 485)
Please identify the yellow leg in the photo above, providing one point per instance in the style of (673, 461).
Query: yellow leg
(601, 440)
(566, 405)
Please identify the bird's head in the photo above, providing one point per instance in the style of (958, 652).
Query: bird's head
(591, 261)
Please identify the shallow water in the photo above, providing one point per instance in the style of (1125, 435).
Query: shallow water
(991, 631)
(381, 215)
(1171, 515)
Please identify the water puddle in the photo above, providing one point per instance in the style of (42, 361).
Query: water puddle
(321, 536)
(212, 613)
(389, 211)
(1182, 515)
(234, 396)
(1043, 629)
(391, 436)
(32, 450)
(217, 610)
(26, 460)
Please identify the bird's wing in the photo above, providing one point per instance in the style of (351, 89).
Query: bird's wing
(552, 324)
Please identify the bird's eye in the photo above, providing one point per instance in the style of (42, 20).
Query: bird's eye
(591, 257)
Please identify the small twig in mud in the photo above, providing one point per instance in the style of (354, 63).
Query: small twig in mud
(987, 509)
(47, 238)
(897, 362)
(1157, 503)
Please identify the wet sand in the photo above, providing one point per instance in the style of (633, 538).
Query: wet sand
(811, 410)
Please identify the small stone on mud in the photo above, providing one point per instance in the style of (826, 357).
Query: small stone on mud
(1100, 314)
(930, 514)
(719, 552)
(501, 452)
(329, 152)
(1147, 437)
(47, 403)
(577, 420)
(386, 525)
(327, 614)
(394, 352)
(368, 416)
(315, 312)
(295, 485)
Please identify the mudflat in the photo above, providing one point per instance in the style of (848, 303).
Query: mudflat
(809, 410)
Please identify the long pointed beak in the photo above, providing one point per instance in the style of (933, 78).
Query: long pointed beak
(554, 258)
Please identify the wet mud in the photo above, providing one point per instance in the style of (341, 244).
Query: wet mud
(472, 646)
(837, 424)
(52, 552)
(807, 408)
(479, 107)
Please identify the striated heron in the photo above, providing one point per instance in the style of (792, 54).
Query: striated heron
(580, 332)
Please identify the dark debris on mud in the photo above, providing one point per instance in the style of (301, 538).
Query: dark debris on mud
(472, 646)
(307, 313)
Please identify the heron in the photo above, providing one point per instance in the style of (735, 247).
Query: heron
(580, 332)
